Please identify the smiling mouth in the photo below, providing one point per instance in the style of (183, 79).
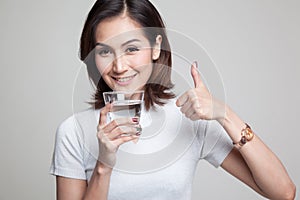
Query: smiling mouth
(124, 79)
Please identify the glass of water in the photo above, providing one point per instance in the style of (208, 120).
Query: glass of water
(125, 104)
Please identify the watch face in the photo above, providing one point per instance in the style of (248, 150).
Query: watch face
(248, 134)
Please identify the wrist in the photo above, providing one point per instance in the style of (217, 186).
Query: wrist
(232, 124)
(220, 111)
(246, 136)
(102, 169)
(225, 116)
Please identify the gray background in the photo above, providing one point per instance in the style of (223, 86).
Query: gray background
(255, 45)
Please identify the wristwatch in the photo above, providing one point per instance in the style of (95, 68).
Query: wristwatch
(247, 135)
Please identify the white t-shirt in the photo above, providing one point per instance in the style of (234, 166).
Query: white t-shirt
(160, 166)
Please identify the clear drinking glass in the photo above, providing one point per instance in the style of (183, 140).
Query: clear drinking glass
(124, 104)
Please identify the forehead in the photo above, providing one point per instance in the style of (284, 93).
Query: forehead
(118, 28)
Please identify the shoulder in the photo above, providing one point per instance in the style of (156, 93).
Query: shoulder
(73, 123)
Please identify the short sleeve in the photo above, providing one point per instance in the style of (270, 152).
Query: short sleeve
(68, 158)
(216, 144)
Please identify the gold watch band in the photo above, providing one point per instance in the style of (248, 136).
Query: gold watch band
(246, 136)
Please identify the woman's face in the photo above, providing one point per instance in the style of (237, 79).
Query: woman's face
(123, 54)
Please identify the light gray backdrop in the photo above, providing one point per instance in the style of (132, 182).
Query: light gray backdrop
(255, 45)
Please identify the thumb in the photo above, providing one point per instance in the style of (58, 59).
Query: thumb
(103, 114)
(196, 75)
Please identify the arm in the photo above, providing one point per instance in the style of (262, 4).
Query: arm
(76, 189)
(110, 137)
(69, 188)
(255, 164)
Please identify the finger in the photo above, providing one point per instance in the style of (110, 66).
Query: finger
(127, 121)
(125, 139)
(185, 107)
(182, 99)
(124, 131)
(103, 114)
(197, 82)
(195, 116)
(191, 111)
(196, 75)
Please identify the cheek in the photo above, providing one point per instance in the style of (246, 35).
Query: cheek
(103, 65)
(141, 60)
(145, 72)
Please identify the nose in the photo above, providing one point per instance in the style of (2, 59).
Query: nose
(119, 65)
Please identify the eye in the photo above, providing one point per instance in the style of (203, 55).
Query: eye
(104, 52)
(132, 49)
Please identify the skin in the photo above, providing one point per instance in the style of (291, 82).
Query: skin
(254, 164)
(123, 54)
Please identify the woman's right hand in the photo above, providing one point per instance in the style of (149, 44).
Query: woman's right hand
(112, 135)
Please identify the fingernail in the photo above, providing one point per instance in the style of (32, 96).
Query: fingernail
(138, 134)
(196, 64)
(135, 119)
(138, 129)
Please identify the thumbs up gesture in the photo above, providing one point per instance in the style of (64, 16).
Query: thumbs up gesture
(197, 103)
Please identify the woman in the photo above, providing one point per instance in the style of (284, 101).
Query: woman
(141, 60)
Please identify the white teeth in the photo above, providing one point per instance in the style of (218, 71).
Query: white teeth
(124, 79)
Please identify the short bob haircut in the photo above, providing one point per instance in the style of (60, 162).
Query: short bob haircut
(157, 89)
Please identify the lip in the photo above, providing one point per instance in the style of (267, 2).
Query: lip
(124, 80)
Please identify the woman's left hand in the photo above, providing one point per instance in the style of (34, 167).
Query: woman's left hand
(198, 103)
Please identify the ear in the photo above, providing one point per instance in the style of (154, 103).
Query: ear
(156, 48)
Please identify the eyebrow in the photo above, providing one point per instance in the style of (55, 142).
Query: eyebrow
(124, 44)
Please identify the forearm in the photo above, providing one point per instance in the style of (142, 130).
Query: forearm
(267, 171)
(98, 186)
